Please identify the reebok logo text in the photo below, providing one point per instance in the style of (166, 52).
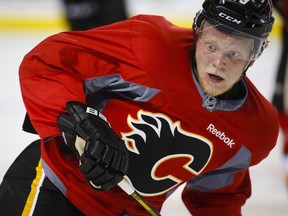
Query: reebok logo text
(221, 135)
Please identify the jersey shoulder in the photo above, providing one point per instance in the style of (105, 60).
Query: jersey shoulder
(159, 45)
(158, 27)
(263, 121)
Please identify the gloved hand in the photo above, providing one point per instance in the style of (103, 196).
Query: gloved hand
(103, 156)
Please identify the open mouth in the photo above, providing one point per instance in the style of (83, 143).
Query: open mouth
(215, 77)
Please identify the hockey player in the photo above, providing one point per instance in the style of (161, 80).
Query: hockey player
(280, 99)
(156, 103)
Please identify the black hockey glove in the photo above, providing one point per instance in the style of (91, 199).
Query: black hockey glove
(103, 156)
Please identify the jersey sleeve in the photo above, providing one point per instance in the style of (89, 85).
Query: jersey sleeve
(56, 70)
(224, 201)
(60, 68)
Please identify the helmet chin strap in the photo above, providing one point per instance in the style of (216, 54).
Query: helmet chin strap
(249, 65)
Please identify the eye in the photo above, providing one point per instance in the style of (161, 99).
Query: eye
(233, 54)
(211, 47)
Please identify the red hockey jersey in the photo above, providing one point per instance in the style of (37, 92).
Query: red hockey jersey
(138, 73)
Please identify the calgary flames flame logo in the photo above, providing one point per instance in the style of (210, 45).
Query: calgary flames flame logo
(163, 155)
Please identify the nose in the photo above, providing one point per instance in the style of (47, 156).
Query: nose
(219, 61)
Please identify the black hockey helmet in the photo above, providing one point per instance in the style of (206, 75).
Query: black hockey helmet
(253, 17)
(245, 18)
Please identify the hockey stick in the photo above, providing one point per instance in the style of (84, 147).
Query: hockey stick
(127, 187)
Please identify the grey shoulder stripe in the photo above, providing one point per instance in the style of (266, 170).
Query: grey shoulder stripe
(222, 176)
(115, 85)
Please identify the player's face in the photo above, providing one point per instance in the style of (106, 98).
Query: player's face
(221, 59)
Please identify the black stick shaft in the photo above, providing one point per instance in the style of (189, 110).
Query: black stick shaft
(127, 187)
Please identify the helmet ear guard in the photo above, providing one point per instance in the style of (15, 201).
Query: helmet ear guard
(198, 20)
